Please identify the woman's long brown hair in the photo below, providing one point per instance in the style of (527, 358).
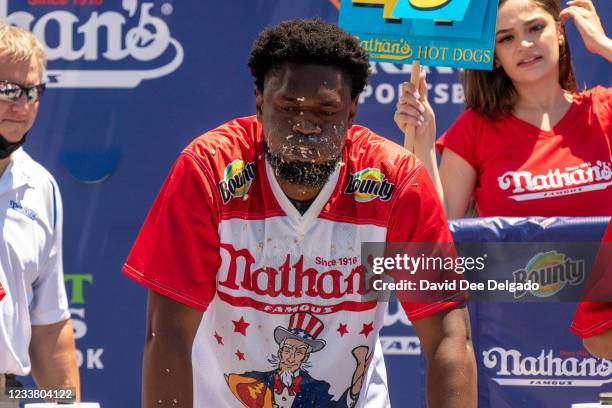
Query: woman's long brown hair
(491, 93)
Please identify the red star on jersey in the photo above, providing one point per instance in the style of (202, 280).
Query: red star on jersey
(239, 354)
(240, 326)
(219, 339)
(342, 329)
(367, 329)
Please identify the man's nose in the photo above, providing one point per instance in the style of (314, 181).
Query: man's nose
(306, 126)
(21, 105)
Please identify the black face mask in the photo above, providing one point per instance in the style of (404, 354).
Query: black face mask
(6, 147)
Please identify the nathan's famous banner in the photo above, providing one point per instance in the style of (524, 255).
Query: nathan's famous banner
(525, 353)
(451, 33)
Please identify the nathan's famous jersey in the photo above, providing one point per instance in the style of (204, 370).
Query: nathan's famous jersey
(286, 321)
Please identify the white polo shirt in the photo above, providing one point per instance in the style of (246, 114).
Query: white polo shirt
(31, 268)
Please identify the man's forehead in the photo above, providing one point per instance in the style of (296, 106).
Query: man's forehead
(23, 72)
(293, 79)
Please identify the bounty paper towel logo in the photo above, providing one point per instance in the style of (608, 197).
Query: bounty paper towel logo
(552, 271)
(131, 32)
(369, 184)
(546, 369)
(237, 180)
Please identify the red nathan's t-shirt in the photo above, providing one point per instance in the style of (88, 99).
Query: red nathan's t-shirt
(223, 237)
(594, 318)
(525, 171)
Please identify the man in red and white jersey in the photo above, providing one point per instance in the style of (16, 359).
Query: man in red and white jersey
(593, 320)
(251, 251)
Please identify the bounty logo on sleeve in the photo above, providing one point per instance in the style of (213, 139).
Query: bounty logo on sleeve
(237, 180)
(368, 184)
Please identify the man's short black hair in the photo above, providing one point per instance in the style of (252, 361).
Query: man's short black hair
(309, 42)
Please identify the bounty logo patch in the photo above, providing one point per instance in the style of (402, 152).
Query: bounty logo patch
(237, 180)
(552, 271)
(369, 184)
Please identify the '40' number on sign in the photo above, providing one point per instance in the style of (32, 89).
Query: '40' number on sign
(389, 5)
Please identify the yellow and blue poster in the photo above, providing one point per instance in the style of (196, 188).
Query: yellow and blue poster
(449, 33)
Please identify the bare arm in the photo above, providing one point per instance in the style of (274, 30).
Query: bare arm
(458, 179)
(600, 345)
(166, 369)
(455, 179)
(53, 356)
(451, 366)
(413, 109)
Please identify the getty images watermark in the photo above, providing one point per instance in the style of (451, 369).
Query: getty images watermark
(540, 271)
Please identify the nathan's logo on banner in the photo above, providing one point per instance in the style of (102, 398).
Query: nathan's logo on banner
(237, 180)
(551, 271)
(129, 32)
(545, 369)
(369, 184)
(557, 182)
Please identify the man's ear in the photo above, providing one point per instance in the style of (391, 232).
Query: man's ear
(352, 112)
(258, 103)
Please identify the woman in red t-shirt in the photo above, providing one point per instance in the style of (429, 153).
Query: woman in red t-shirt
(528, 143)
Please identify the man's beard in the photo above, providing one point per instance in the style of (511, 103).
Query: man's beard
(6, 147)
(286, 377)
(301, 172)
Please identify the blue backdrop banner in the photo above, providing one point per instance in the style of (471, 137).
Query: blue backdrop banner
(132, 82)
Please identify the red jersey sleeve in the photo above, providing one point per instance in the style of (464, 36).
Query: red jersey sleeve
(462, 137)
(593, 318)
(176, 252)
(418, 216)
(2, 293)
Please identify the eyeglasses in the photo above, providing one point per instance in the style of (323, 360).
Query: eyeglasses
(11, 92)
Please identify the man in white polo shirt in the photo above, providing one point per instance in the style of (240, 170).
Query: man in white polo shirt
(35, 330)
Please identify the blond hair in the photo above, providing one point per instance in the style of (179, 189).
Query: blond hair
(19, 45)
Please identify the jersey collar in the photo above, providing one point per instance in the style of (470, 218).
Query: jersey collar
(302, 221)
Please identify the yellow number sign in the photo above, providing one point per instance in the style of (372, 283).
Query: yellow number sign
(388, 5)
(428, 4)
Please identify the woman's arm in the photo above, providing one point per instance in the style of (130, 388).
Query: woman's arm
(456, 178)
(589, 25)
